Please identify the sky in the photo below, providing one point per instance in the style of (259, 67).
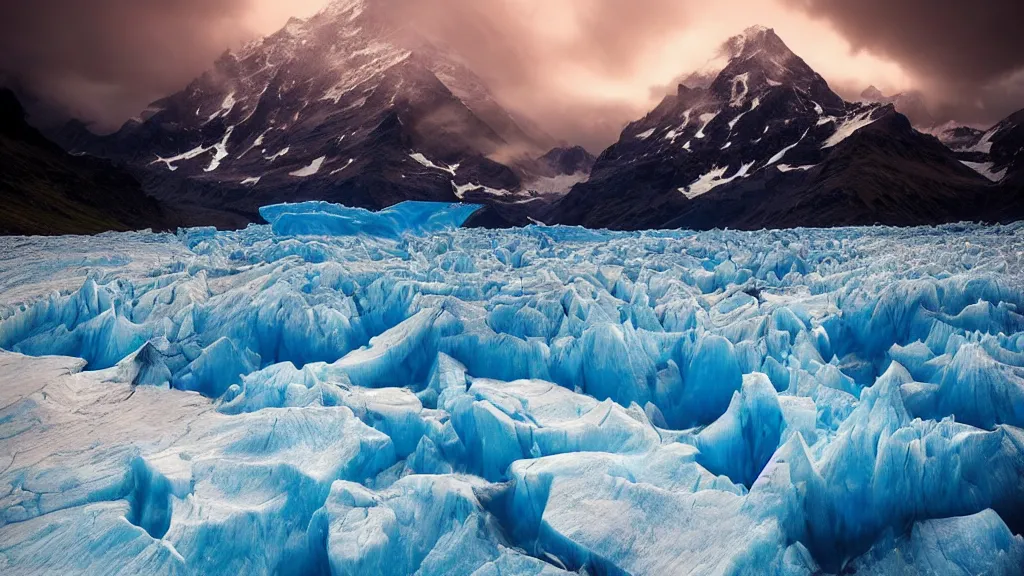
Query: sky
(580, 69)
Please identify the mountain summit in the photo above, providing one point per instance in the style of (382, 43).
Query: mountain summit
(767, 143)
(911, 104)
(346, 107)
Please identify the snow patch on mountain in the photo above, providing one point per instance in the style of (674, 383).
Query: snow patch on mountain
(782, 153)
(339, 170)
(986, 170)
(788, 168)
(712, 180)
(705, 119)
(849, 126)
(193, 153)
(460, 190)
(984, 145)
(421, 159)
(311, 169)
(362, 66)
(277, 154)
(225, 108)
(220, 150)
(738, 95)
(753, 104)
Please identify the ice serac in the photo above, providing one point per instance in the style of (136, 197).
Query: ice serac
(391, 393)
(741, 442)
(324, 219)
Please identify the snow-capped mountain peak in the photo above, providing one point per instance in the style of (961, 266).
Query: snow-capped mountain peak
(765, 122)
(349, 90)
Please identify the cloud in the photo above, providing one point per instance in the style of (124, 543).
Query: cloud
(581, 69)
(967, 56)
(104, 60)
(584, 68)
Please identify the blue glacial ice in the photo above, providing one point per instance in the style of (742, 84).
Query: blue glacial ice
(346, 392)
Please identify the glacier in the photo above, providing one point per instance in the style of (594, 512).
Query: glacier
(341, 391)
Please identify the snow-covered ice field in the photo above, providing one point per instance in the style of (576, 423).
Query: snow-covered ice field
(342, 392)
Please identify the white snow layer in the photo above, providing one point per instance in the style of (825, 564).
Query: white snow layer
(220, 152)
(277, 154)
(788, 168)
(705, 119)
(347, 164)
(712, 180)
(985, 169)
(739, 96)
(425, 162)
(461, 189)
(984, 145)
(782, 153)
(848, 127)
(310, 170)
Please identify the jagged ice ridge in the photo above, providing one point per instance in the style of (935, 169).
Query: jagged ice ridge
(347, 392)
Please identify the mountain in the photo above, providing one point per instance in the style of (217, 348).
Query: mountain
(568, 160)
(958, 137)
(345, 107)
(911, 104)
(767, 143)
(44, 190)
(546, 179)
(1007, 150)
(996, 153)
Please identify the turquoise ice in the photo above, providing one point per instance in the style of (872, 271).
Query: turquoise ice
(347, 392)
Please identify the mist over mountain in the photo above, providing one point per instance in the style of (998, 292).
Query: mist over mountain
(761, 141)
(45, 190)
(581, 69)
(347, 106)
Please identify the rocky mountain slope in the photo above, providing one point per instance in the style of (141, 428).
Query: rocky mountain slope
(44, 190)
(996, 153)
(345, 107)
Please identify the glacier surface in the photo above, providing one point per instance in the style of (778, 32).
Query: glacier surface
(347, 392)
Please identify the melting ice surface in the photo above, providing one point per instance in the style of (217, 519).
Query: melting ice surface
(344, 392)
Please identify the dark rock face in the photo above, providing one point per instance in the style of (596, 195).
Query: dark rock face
(568, 160)
(910, 104)
(768, 144)
(341, 107)
(1007, 149)
(44, 190)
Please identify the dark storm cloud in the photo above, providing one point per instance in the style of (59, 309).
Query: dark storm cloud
(964, 52)
(954, 39)
(526, 50)
(97, 58)
(580, 69)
